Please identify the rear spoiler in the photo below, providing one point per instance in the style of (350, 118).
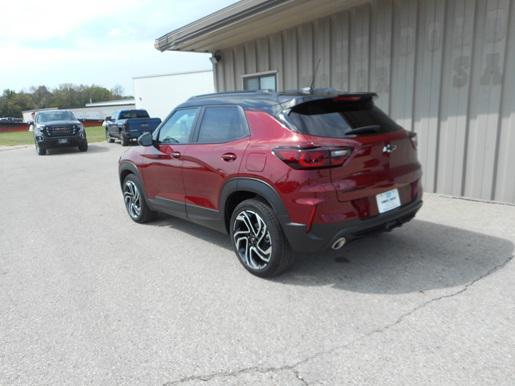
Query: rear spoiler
(313, 100)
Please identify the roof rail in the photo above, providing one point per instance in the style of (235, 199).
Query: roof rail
(230, 93)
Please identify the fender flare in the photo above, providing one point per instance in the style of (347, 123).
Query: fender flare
(259, 187)
(126, 166)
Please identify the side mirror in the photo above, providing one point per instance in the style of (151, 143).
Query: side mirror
(108, 118)
(145, 139)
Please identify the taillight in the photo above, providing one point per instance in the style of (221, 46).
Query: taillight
(413, 139)
(313, 157)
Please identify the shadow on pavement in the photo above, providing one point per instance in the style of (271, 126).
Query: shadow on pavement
(92, 148)
(417, 257)
(206, 234)
(420, 256)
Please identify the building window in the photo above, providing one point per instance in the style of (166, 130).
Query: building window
(255, 82)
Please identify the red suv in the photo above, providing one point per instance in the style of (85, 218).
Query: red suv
(279, 172)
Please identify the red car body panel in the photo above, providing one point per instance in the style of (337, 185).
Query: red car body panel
(342, 193)
(206, 167)
(162, 172)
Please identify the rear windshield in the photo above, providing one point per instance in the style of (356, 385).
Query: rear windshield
(337, 120)
(133, 114)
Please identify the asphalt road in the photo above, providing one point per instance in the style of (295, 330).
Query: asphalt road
(89, 297)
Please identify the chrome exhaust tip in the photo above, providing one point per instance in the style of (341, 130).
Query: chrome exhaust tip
(339, 243)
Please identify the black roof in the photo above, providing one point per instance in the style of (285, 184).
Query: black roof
(267, 99)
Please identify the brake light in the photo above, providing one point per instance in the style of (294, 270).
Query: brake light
(413, 139)
(313, 157)
(348, 98)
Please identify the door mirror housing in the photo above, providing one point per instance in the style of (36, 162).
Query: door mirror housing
(145, 139)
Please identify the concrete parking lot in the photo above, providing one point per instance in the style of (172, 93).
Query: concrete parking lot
(89, 297)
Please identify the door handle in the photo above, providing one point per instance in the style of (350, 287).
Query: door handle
(229, 157)
(176, 154)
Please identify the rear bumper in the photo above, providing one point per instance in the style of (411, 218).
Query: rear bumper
(132, 135)
(135, 134)
(322, 236)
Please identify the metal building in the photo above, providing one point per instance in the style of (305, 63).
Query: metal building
(442, 68)
(159, 94)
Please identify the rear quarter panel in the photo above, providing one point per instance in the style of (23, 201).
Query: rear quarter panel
(326, 195)
(300, 190)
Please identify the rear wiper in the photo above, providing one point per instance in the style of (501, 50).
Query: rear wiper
(364, 130)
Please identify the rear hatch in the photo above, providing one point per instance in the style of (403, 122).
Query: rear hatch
(383, 154)
(143, 125)
(138, 121)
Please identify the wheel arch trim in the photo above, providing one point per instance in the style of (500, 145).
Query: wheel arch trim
(258, 187)
(127, 166)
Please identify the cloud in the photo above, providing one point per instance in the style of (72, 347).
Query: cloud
(36, 20)
(107, 64)
(96, 41)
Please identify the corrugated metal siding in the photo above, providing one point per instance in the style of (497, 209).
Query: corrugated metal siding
(442, 68)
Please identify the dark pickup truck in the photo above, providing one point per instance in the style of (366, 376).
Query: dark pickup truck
(56, 128)
(128, 125)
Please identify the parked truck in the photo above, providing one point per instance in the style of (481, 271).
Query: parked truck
(58, 128)
(128, 125)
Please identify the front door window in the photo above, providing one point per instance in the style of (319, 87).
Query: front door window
(178, 128)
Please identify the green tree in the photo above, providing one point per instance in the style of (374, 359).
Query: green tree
(65, 96)
(42, 97)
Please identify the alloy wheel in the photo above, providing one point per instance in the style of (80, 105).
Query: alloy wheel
(132, 198)
(252, 239)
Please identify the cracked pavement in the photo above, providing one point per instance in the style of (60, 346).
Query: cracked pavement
(88, 297)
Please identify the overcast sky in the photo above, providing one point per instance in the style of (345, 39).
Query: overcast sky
(106, 42)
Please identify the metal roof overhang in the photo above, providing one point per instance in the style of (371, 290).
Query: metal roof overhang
(247, 20)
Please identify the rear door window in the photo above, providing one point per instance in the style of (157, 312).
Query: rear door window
(337, 120)
(221, 124)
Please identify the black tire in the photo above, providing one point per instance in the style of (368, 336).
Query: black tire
(280, 257)
(83, 146)
(40, 149)
(145, 214)
(108, 137)
(124, 140)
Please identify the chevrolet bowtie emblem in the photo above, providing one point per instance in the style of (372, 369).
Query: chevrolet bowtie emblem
(389, 148)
